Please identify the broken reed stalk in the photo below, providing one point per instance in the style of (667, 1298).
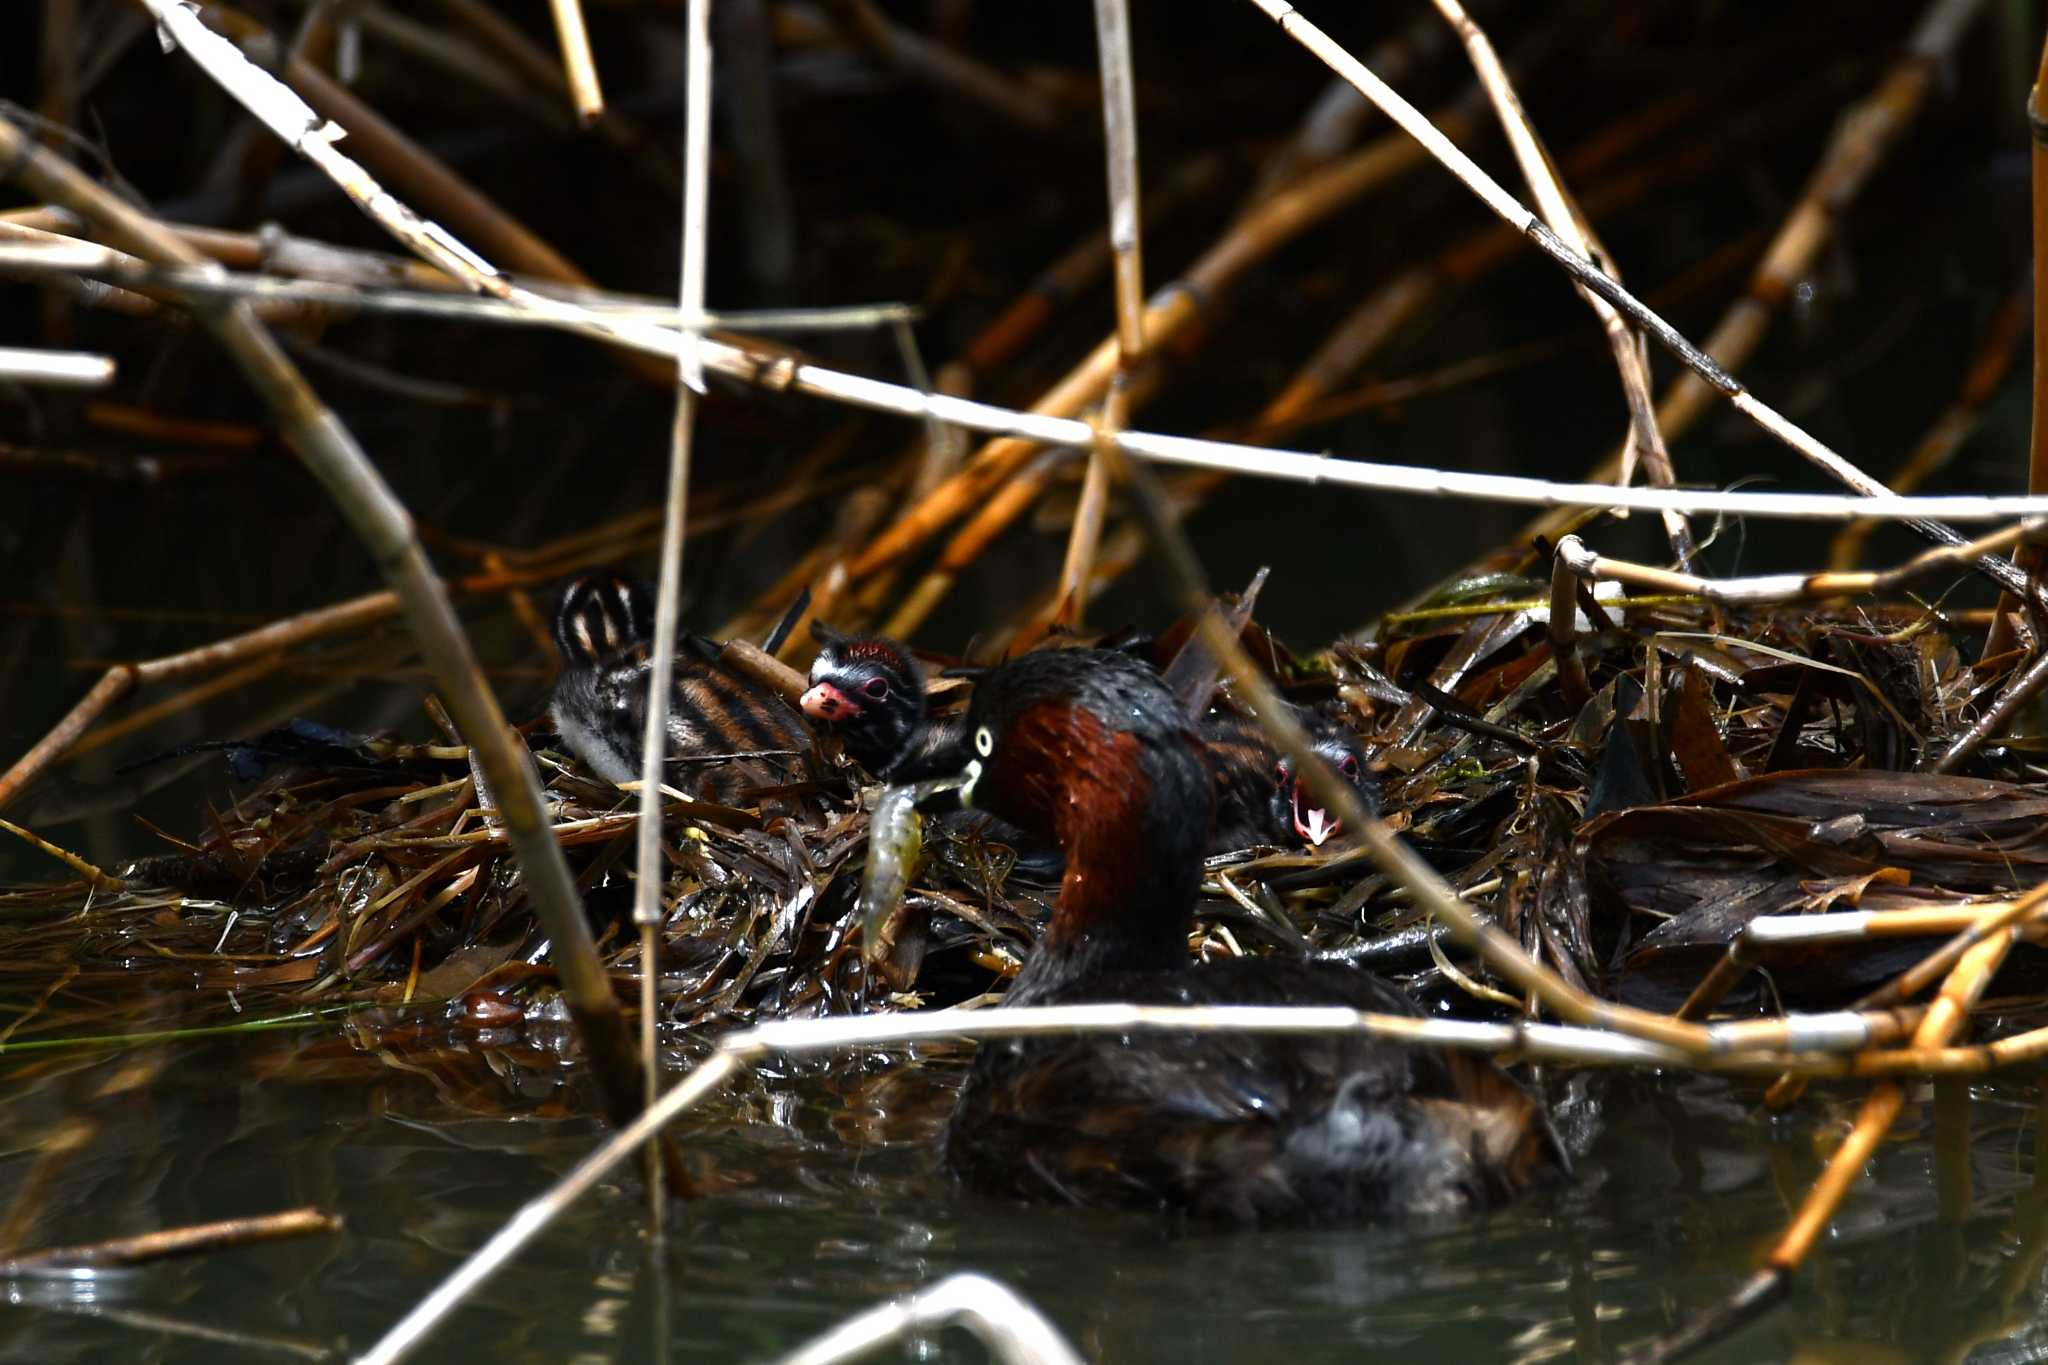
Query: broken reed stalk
(1586, 273)
(1863, 135)
(1172, 308)
(2000, 637)
(94, 878)
(577, 63)
(196, 1239)
(1563, 629)
(386, 529)
(1569, 223)
(1958, 421)
(1726, 1046)
(1974, 922)
(648, 863)
(1120, 140)
(1765, 589)
(118, 681)
(2018, 693)
(1949, 1012)
(55, 369)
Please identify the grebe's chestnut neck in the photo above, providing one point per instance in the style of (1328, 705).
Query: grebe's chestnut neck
(1089, 750)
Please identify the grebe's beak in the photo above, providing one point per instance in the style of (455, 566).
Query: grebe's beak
(1313, 824)
(826, 702)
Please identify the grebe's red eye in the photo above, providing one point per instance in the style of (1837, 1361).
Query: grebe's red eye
(1349, 767)
(877, 688)
(1281, 772)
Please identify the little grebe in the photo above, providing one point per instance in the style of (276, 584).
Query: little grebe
(727, 733)
(1259, 797)
(1089, 748)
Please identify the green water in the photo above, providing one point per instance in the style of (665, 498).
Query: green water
(829, 1199)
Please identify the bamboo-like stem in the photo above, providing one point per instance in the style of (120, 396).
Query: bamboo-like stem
(2000, 637)
(1965, 985)
(55, 369)
(34, 254)
(1863, 135)
(1957, 423)
(648, 865)
(96, 879)
(382, 523)
(1012, 1331)
(1569, 223)
(1586, 273)
(1761, 589)
(1563, 631)
(194, 1239)
(1120, 129)
(577, 62)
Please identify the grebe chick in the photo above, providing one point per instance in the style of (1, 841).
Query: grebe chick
(1088, 748)
(1260, 799)
(726, 735)
(870, 692)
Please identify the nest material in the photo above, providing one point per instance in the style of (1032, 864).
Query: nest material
(1726, 767)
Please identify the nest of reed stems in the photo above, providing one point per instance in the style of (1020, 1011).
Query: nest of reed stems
(1747, 797)
(1728, 764)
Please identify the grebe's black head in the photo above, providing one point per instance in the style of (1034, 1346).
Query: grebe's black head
(601, 615)
(1296, 808)
(870, 693)
(1089, 749)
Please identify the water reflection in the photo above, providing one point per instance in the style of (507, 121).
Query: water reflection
(828, 1199)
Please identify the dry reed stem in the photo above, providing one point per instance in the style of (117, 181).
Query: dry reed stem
(1569, 223)
(418, 173)
(1965, 985)
(1862, 138)
(55, 369)
(654, 159)
(1764, 589)
(1563, 631)
(736, 1051)
(1126, 244)
(577, 62)
(1957, 423)
(382, 523)
(94, 878)
(1274, 223)
(2018, 693)
(1585, 272)
(648, 866)
(1008, 1327)
(1949, 1012)
(122, 679)
(192, 1240)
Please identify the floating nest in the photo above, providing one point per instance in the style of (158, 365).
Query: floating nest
(1726, 766)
